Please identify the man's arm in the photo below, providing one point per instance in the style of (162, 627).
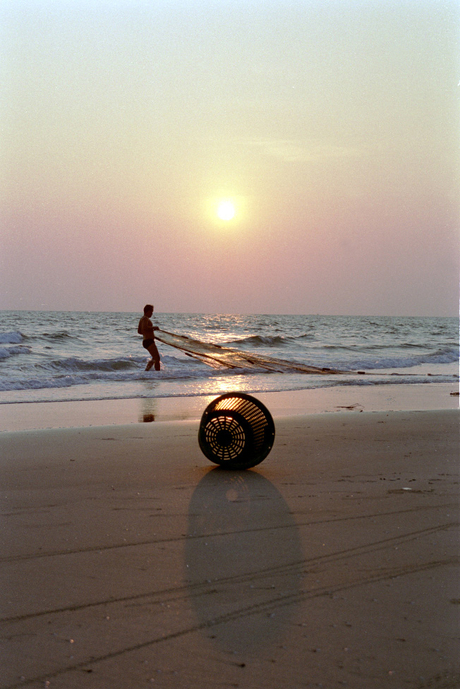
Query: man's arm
(149, 328)
(141, 326)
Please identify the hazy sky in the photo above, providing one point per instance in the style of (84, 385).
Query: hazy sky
(330, 125)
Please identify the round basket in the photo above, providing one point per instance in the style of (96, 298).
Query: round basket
(236, 431)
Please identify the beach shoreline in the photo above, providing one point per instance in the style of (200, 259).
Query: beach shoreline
(68, 414)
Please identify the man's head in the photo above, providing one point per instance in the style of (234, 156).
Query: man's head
(148, 310)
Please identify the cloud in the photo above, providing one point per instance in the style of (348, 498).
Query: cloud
(295, 151)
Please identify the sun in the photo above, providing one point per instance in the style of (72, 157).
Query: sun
(226, 210)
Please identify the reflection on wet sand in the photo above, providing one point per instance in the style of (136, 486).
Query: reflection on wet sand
(230, 514)
(147, 412)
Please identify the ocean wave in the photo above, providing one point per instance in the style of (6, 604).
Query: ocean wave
(85, 373)
(270, 340)
(257, 340)
(377, 347)
(205, 373)
(62, 335)
(441, 356)
(42, 351)
(39, 383)
(100, 366)
(75, 365)
(13, 337)
(6, 352)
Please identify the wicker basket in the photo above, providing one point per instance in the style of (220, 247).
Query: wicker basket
(236, 431)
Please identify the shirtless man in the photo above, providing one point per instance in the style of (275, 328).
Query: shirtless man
(146, 328)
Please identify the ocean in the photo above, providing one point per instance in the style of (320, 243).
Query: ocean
(48, 356)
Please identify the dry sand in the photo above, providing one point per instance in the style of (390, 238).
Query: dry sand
(128, 561)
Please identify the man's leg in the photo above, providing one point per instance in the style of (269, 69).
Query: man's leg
(155, 358)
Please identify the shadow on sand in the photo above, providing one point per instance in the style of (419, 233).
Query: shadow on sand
(241, 559)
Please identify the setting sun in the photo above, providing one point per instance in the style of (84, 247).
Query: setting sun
(226, 210)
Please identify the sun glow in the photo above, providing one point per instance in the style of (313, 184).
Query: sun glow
(226, 210)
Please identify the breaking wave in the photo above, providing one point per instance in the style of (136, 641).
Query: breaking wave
(11, 337)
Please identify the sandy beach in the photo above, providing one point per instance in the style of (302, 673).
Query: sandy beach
(129, 560)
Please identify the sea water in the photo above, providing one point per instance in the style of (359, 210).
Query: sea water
(60, 356)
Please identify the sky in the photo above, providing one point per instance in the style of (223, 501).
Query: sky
(329, 128)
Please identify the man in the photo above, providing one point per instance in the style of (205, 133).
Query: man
(146, 328)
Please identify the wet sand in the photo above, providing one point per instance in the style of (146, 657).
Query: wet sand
(129, 561)
(391, 397)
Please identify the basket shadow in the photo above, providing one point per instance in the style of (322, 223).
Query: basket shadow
(241, 559)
